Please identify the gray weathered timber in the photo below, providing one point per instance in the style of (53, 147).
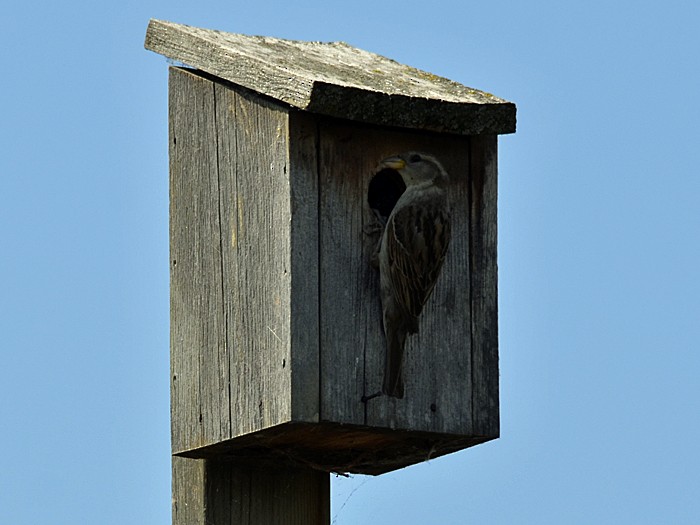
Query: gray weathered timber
(335, 79)
(484, 285)
(220, 492)
(304, 268)
(199, 362)
(255, 220)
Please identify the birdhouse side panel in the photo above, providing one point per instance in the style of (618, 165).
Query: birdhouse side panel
(231, 263)
(437, 366)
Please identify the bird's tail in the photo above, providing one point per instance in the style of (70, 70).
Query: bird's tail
(393, 369)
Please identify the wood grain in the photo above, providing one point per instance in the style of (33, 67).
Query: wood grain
(199, 364)
(483, 211)
(335, 79)
(255, 211)
(304, 266)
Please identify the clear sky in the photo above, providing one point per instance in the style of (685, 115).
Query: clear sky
(599, 249)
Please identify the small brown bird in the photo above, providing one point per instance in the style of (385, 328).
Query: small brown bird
(411, 253)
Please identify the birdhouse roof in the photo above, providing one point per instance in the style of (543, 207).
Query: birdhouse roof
(335, 79)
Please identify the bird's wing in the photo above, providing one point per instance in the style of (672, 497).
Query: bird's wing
(419, 234)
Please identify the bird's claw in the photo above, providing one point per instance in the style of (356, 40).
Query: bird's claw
(364, 399)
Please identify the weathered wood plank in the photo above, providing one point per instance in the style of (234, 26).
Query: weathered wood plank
(484, 286)
(348, 321)
(255, 215)
(335, 79)
(438, 360)
(200, 412)
(304, 266)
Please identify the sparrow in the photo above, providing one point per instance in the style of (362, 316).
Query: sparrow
(411, 252)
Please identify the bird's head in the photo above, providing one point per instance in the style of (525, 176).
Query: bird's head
(415, 167)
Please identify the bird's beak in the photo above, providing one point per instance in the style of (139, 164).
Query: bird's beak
(394, 163)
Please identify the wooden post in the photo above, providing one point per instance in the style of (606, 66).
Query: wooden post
(220, 492)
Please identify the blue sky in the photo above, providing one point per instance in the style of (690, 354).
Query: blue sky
(599, 248)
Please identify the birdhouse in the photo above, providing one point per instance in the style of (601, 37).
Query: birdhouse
(277, 201)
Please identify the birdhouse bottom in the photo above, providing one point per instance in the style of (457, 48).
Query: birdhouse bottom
(337, 448)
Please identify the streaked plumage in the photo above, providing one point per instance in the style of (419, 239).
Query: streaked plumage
(412, 250)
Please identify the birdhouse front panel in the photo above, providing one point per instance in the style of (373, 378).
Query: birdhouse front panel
(437, 366)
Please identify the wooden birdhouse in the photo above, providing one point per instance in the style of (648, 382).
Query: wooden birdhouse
(276, 321)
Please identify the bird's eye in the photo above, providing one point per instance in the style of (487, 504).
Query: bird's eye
(415, 158)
